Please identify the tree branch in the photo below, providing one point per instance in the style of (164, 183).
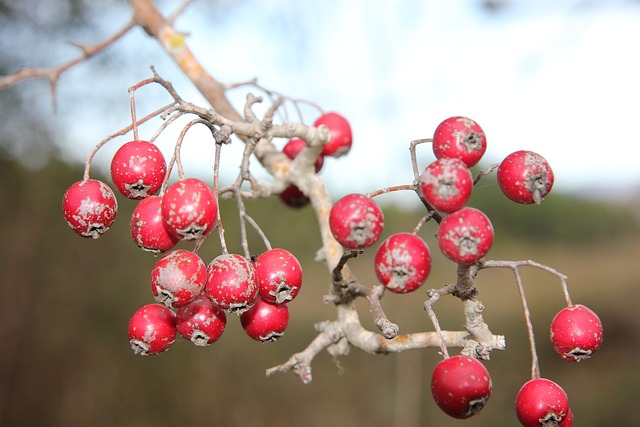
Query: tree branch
(53, 74)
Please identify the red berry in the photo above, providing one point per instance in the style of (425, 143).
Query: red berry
(138, 169)
(232, 283)
(178, 277)
(189, 209)
(200, 321)
(152, 329)
(403, 262)
(265, 321)
(525, 177)
(576, 333)
(465, 236)
(293, 197)
(340, 134)
(295, 146)
(541, 401)
(459, 138)
(90, 207)
(446, 184)
(461, 386)
(279, 276)
(356, 221)
(147, 226)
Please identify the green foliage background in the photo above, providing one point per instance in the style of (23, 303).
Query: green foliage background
(65, 303)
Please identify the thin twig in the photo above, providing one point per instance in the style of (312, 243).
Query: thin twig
(258, 230)
(414, 158)
(53, 74)
(121, 132)
(485, 172)
(390, 190)
(514, 265)
(434, 295)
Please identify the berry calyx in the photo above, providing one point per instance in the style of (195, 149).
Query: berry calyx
(189, 209)
(231, 284)
(446, 184)
(459, 138)
(576, 333)
(89, 207)
(200, 321)
(461, 386)
(138, 169)
(264, 321)
(541, 402)
(356, 221)
(279, 276)
(152, 329)
(340, 139)
(465, 236)
(403, 262)
(178, 277)
(147, 226)
(525, 177)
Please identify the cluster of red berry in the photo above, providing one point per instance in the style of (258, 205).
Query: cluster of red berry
(461, 385)
(257, 290)
(193, 298)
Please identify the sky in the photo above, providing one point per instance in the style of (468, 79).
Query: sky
(556, 77)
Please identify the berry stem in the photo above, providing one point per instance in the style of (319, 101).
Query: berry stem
(514, 265)
(423, 221)
(121, 132)
(390, 190)
(258, 230)
(434, 295)
(216, 192)
(535, 366)
(485, 172)
(414, 158)
(134, 122)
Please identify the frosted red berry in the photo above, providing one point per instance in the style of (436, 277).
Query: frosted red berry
(459, 138)
(178, 277)
(231, 283)
(576, 333)
(147, 226)
(356, 221)
(403, 262)
(461, 386)
(189, 209)
(200, 321)
(446, 184)
(341, 137)
(89, 207)
(279, 275)
(295, 146)
(465, 236)
(265, 321)
(541, 401)
(152, 329)
(525, 177)
(138, 169)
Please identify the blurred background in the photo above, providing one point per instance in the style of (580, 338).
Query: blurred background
(556, 77)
